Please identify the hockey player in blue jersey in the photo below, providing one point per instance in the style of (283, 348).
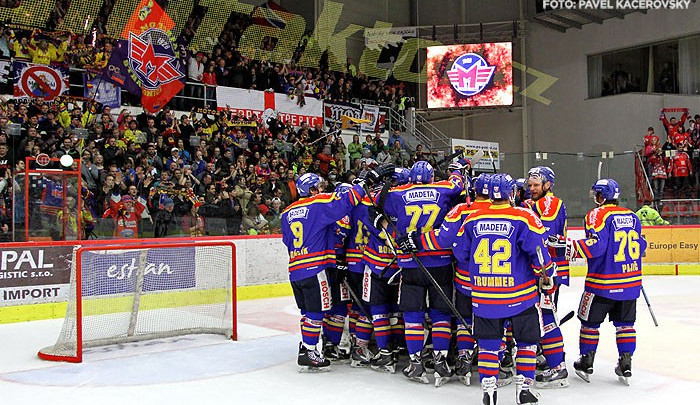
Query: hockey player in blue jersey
(308, 227)
(613, 247)
(552, 212)
(422, 206)
(507, 260)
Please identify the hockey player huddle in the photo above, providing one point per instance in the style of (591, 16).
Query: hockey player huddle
(458, 273)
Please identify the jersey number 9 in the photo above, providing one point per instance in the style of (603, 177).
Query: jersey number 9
(297, 229)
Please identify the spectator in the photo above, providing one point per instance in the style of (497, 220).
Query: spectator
(396, 137)
(648, 216)
(355, 148)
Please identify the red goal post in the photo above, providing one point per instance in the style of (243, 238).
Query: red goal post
(139, 291)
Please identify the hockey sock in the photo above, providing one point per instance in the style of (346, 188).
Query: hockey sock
(414, 331)
(526, 359)
(353, 314)
(465, 340)
(333, 324)
(510, 342)
(311, 329)
(488, 358)
(363, 330)
(588, 338)
(626, 338)
(442, 330)
(552, 341)
(382, 327)
(397, 329)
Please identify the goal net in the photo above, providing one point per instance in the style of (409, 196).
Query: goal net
(128, 293)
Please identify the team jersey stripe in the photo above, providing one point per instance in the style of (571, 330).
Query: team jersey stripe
(530, 222)
(478, 292)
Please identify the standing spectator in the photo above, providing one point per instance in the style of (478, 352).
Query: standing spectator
(193, 223)
(165, 220)
(195, 74)
(681, 169)
(90, 173)
(209, 79)
(659, 173)
(355, 148)
(673, 125)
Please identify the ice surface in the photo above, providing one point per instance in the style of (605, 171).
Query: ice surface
(260, 368)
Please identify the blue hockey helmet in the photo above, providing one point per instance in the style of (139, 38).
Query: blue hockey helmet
(401, 175)
(501, 187)
(521, 183)
(306, 182)
(342, 188)
(421, 172)
(543, 174)
(608, 188)
(481, 184)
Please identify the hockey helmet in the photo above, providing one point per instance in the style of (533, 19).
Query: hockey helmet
(421, 172)
(401, 175)
(306, 182)
(543, 174)
(481, 184)
(501, 187)
(521, 183)
(608, 188)
(342, 188)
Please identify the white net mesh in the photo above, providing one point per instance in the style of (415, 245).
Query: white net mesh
(147, 292)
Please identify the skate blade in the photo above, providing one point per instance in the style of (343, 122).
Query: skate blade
(310, 370)
(423, 379)
(385, 369)
(465, 379)
(440, 381)
(584, 376)
(624, 380)
(563, 383)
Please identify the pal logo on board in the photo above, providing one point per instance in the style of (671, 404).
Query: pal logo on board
(470, 74)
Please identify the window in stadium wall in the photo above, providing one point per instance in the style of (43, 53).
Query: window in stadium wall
(666, 67)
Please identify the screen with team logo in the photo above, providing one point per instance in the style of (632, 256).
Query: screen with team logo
(470, 75)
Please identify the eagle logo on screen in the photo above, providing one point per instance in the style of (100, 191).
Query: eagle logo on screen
(152, 58)
(470, 74)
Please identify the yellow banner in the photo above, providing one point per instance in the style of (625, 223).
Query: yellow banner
(671, 244)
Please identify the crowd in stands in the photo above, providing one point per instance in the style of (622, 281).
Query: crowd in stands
(672, 166)
(174, 175)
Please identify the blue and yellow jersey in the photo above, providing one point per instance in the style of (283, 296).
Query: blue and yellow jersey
(552, 213)
(342, 232)
(376, 254)
(445, 236)
(500, 246)
(309, 230)
(422, 208)
(614, 248)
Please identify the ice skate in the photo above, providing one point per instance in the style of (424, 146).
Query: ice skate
(335, 354)
(443, 372)
(584, 366)
(624, 368)
(311, 360)
(505, 377)
(384, 361)
(415, 370)
(360, 357)
(463, 367)
(556, 377)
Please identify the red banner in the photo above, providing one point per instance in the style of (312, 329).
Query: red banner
(641, 186)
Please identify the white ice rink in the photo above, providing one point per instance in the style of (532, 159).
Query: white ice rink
(260, 367)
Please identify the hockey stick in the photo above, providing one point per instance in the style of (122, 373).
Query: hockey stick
(357, 300)
(543, 273)
(651, 311)
(425, 271)
(566, 318)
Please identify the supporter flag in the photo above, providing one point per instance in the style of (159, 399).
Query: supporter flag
(270, 14)
(101, 91)
(145, 61)
(349, 122)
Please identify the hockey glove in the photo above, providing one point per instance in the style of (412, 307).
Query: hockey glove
(556, 241)
(547, 287)
(409, 242)
(377, 218)
(462, 166)
(571, 250)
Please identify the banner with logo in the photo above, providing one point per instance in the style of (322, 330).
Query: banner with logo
(116, 272)
(491, 156)
(34, 274)
(672, 244)
(101, 90)
(246, 103)
(145, 62)
(377, 115)
(5, 71)
(45, 81)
